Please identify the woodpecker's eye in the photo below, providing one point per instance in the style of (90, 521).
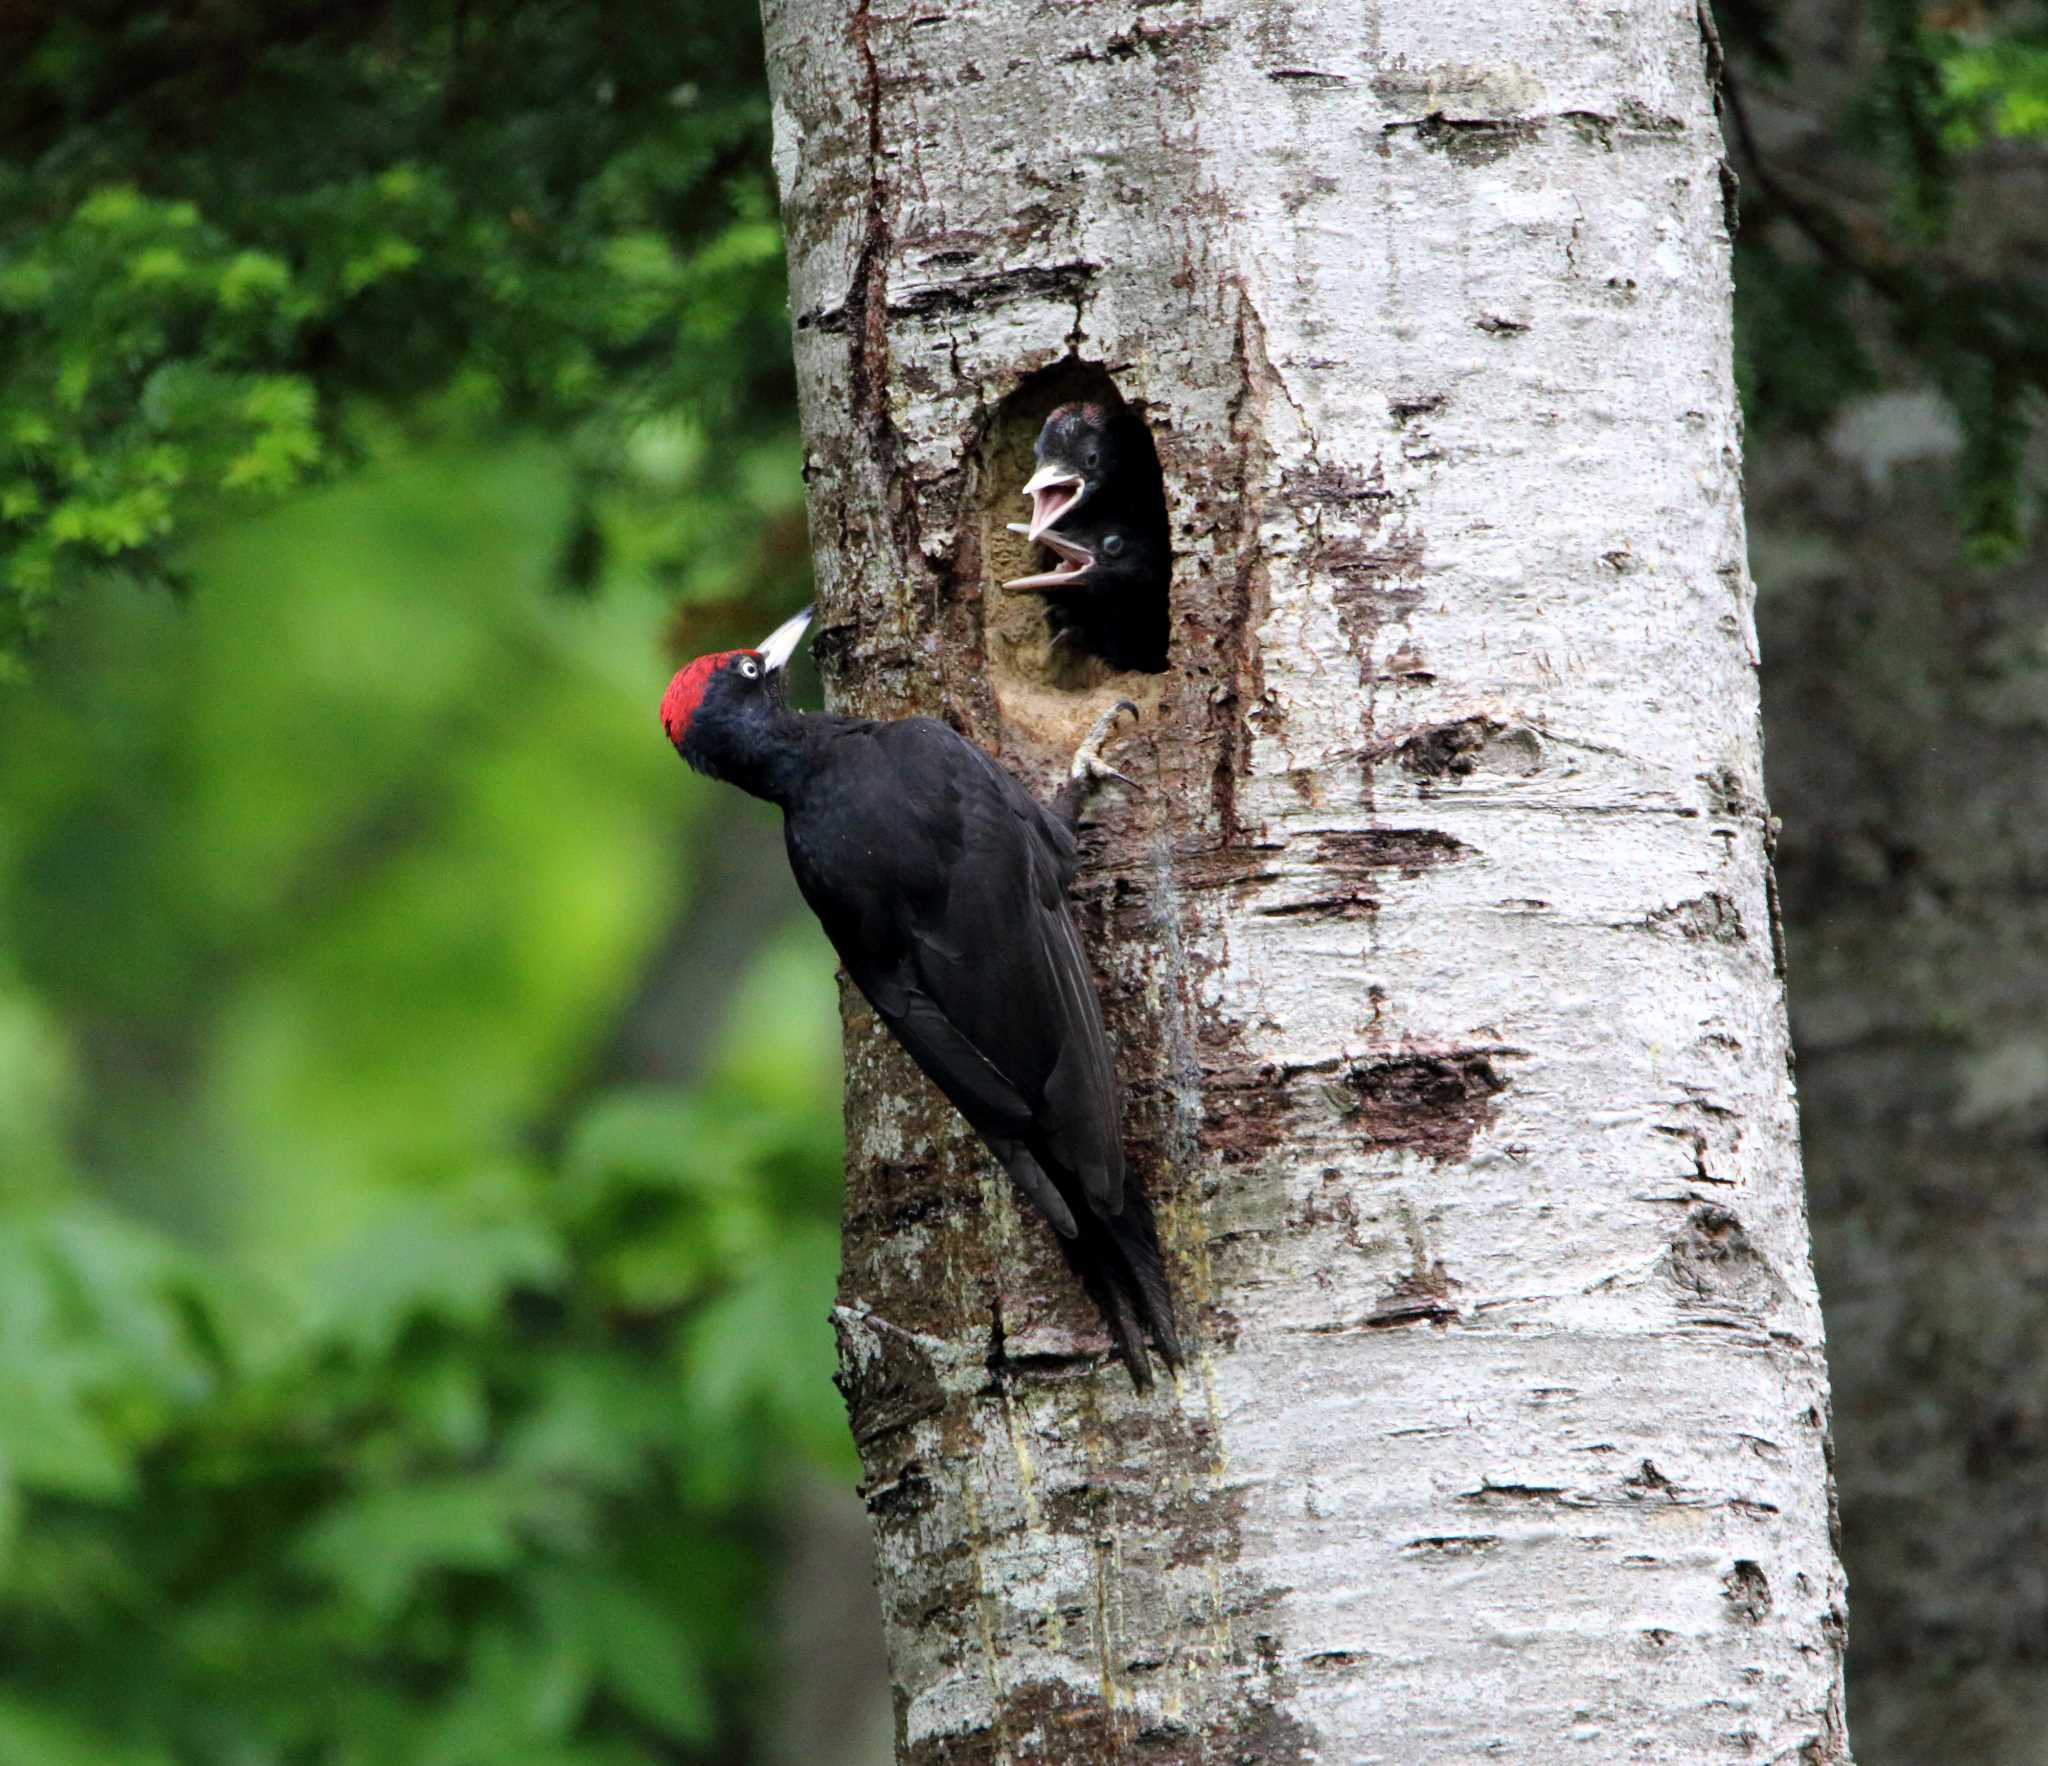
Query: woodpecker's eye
(1112, 545)
(749, 667)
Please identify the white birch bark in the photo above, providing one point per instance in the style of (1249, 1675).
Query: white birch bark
(1439, 947)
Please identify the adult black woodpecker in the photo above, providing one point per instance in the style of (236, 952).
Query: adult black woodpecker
(942, 883)
(1098, 505)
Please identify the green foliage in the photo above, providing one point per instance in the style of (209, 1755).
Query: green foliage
(420, 218)
(1796, 362)
(1996, 89)
(387, 1375)
(1825, 292)
(1995, 433)
(468, 1502)
(389, 1372)
(1895, 115)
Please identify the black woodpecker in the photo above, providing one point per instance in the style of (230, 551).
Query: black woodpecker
(1098, 505)
(942, 883)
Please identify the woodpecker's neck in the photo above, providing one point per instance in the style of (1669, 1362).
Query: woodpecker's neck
(758, 744)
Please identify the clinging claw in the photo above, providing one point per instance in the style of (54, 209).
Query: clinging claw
(1088, 761)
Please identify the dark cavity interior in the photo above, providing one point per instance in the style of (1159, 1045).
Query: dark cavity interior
(1075, 640)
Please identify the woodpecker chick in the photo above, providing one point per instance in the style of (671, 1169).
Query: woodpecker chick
(1098, 506)
(1081, 449)
(942, 884)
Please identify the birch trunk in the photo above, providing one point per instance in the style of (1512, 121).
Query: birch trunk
(1439, 947)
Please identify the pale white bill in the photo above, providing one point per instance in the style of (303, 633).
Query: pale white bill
(780, 645)
(1054, 492)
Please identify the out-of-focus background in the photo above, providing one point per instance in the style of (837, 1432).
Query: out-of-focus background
(418, 1117)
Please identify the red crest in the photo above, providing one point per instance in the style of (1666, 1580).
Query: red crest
(686, 692)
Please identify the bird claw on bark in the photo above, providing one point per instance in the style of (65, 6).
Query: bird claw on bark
(1088, 763)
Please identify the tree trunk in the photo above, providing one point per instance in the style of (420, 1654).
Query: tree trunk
(1438, 948)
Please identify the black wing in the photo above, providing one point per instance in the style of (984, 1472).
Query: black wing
(942, 884)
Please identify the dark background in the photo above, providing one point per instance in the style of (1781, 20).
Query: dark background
(418, 1124)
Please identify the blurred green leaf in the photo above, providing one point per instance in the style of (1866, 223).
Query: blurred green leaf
(322, 1364)
(1997, 88)
(634, 1645)
(741, 1355)
(506, 214)
(32, 1736)
(378, 1546)
(54, 1444)
(359, 1270)
(428, 1258)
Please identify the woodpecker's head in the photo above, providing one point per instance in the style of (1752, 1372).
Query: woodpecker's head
(1081, 449)
(717, 708)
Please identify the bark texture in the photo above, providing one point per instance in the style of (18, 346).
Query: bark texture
(1439, 947)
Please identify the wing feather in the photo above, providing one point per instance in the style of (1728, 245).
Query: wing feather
(960, 935)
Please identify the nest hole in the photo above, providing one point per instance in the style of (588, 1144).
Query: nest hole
(1052, 657)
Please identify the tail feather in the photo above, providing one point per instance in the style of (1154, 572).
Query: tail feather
(1135, 1234)
(1118, 1259)
(1123, 1325)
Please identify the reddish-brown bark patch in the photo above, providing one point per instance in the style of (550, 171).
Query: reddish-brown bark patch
(1411, 851)
(1432, 1104)
(1447, 751)
(888, 1383)
(1371, 581)
(1419, 1296)
(1711, 916)
(1053, 1721)
(1714, 1260)
(1426, 1103)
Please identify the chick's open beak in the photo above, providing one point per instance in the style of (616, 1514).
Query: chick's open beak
(1054, 492)
(1072, 562)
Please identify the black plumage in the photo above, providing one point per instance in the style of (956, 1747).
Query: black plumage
(942, 884)
(1098, 506)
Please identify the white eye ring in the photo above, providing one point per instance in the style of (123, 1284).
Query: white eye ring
(749, 667)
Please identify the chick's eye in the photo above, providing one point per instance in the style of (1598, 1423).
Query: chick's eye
(1112, 545)
(1094, 458)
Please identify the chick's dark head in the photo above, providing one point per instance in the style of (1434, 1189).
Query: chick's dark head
(1085, 451)
(1101, 551)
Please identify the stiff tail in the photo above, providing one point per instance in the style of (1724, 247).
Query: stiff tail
(1136, 1235)
(1118, 1260)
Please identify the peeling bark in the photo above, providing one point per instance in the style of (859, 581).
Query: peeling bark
(1436, 947)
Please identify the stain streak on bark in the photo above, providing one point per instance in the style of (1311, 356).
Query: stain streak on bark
(970, 295)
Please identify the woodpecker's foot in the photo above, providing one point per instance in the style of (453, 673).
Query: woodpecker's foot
(1089, 766)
